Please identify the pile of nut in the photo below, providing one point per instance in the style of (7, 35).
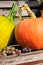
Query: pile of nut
(9, 51)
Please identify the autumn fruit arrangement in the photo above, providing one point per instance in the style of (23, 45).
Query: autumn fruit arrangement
(6, 29)
(29, 32)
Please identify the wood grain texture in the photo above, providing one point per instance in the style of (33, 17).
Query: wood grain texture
(6, 4)
(24, 58)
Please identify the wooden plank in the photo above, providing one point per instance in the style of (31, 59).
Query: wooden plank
(6, 4)
(39, 62)
(24, 12)
(6, 13)
(24, 58)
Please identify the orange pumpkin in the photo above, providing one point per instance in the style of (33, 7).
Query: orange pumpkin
(29, 32)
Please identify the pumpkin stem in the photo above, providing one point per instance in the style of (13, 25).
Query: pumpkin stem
(27, 8)
(13, 12)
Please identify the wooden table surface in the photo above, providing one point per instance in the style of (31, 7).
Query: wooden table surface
(31, 58)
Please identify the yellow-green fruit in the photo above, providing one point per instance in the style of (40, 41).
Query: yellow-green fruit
(6, 27)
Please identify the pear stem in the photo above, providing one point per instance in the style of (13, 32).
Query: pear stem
(13, 12)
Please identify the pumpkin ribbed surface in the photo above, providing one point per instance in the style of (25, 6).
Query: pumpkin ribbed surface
(29, 33)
